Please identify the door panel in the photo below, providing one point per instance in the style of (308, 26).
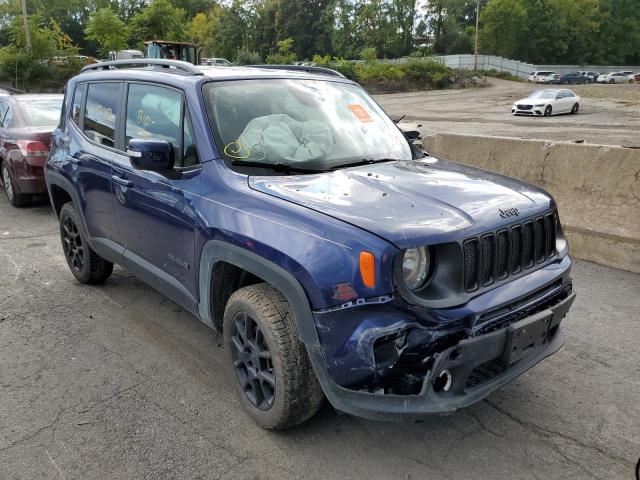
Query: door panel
(88, 163)
(154, 211)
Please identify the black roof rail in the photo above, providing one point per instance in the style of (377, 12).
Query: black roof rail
(170, 66)
(302, 68)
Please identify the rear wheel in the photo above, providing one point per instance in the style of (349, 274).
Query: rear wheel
(548, 111)
(85, 264)
(576, 107)
(16, 198)
(275, 380)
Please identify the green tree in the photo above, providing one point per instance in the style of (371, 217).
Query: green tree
(160, 20)
(504, 24)
(284, 55)
(107, 30)
(202, 29)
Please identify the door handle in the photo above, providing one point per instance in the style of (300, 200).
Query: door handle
(121, 181)
(73, 159)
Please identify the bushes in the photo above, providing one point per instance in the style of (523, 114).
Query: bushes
(426, 72)
(284, 55)
(414, 74)
(245, 56)
(23, 71)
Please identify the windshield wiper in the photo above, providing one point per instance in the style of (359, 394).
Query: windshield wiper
(278, 167)
(364, 161)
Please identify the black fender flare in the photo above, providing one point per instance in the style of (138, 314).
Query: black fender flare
(215, 251)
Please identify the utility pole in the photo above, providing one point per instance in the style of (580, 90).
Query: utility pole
(475, 50)
(27, 34)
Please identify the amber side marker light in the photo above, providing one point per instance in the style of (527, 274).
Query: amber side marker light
(368, 269)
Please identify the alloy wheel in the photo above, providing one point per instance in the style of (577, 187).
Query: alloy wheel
(6, 180)
(72, 244)
(252, 361)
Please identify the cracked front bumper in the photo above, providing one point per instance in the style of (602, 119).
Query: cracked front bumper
(465, 361)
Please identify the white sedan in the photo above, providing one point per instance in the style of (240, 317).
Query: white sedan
(541, 77)
(615, 77)
(547, 102)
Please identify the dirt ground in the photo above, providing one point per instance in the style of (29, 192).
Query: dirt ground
(609, 114)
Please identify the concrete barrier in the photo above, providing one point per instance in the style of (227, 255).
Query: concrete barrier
(597, 188)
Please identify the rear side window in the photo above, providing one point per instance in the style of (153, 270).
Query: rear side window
(101, 113)
(5, 114)
(159, 113)
(76, 106)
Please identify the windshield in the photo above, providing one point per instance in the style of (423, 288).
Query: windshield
(42, 112)
(545, 94)
(307, 124)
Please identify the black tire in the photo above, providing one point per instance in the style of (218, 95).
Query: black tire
(612, 81)
(275, 379)
(85, 264)
(576, 107)
(548, 111)
(16, 198)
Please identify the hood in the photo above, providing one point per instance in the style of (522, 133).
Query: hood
(410, 203)
(532, 101)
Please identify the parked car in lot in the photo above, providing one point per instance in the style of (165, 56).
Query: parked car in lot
(26, 123)
(216, 62)
(592, 75)
(541, 77)
(547, 102)
(614, 77)
(283, 207)
(570, 79)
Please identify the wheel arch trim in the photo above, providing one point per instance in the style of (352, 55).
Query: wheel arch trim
(215, 251)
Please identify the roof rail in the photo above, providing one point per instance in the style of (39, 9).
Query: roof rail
(170, 66)
(302, 68)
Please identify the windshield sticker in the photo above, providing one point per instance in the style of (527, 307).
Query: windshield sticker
(359, 111)
(236, 149)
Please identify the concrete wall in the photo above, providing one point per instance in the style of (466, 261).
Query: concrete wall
(597, 188)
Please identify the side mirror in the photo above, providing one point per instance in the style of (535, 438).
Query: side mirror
(152, 155)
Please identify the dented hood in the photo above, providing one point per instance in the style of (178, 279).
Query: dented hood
(411, 203)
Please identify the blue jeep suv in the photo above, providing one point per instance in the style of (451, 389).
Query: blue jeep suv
(285, 209)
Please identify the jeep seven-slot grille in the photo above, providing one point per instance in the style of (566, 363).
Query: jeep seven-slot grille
(496, 255)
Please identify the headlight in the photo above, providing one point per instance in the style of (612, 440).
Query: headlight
(416, 266)
(539, 105)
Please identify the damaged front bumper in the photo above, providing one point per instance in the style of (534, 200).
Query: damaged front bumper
(427, 369)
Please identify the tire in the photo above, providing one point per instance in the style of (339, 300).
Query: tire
(548, 111)
(275, 379)
(85, 264)
(575, 108)
(16, 198)
(612, 81)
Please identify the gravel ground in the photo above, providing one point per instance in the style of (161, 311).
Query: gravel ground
(118, 382)
(609, 114)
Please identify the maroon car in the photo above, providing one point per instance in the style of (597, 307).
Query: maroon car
(26, 123)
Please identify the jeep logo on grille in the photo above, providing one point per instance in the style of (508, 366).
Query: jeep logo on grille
(509, 212)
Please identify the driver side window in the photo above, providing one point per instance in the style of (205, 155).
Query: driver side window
(160, 113)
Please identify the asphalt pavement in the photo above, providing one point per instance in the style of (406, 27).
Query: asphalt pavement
(119, 382)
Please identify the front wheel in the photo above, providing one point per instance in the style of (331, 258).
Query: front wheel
(548, 111)
(575, 108)
(16, 198)
(85, 264)
(275, 380)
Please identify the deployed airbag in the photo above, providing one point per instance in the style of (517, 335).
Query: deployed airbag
(276, 138)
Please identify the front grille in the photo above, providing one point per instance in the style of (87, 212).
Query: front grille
(496, 255)
(524, 107)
